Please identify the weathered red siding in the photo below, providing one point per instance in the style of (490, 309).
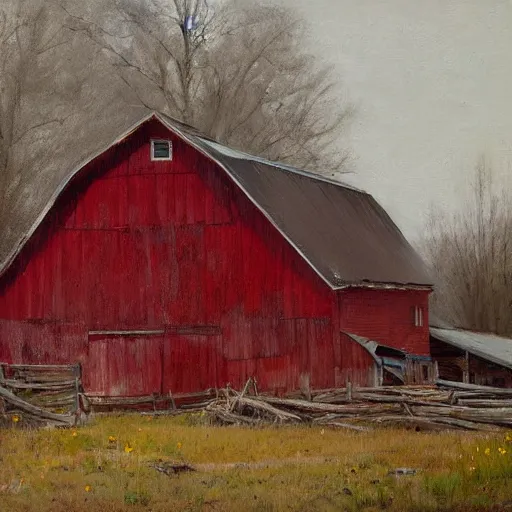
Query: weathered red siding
(392, 317)
(176, 248)
(135, 244)
(353, 364)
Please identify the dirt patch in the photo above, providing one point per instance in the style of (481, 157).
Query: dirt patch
(269, 463)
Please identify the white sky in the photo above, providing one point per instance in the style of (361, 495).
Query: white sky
(432, 81)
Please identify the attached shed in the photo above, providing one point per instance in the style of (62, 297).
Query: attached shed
(472, 357)
(168, 262)
(388, 366)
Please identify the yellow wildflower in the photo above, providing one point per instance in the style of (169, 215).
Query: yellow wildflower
(179, 445)
(111, 439)
(502, 451)
(74, 434)
(88, 488)
(15, 418)
(508, 438)
(128, 448)
(487, 451)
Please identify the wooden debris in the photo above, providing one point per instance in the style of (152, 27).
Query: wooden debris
(41, 395)
(171, 468)
(403, 472)
(423, 407)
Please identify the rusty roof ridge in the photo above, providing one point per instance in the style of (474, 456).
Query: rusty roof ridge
(235, 153)
(199, 143)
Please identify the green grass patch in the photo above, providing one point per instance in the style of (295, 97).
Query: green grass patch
(105, 466)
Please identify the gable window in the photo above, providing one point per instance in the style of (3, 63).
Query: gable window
(418, 316)
(161, 150)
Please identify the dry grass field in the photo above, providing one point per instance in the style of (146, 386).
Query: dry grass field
(108, 466)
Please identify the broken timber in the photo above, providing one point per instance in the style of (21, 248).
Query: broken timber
(422, 407)
(41, 395)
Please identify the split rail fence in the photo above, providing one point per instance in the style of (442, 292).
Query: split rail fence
(41, 395)
(448, 405)
(52, 395)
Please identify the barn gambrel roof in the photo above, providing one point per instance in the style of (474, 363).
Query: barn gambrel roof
(342, 232)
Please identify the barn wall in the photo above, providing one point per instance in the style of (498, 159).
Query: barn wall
(485, 373)
(453, 365)
(140, 245)
(353, 364)
(386, 316)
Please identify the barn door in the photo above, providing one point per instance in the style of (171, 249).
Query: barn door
(124, 364)
(192, 361)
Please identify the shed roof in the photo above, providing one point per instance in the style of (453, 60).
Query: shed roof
(341, 232)
(372, 346)
(487, 346)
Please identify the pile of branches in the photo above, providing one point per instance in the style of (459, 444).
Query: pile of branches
(429, 408)
(40, 395)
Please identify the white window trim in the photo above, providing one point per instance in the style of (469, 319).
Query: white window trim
(159, 159)
(418, 316)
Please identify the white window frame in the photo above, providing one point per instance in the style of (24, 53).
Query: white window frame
(418, 316)
(160, 159)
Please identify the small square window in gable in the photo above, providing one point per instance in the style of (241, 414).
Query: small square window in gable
(161, 150)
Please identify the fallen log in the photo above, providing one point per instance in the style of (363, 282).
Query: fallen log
(347, 426)
(473, 387)
(37, 412)
(262, 406)
(496, 416)
(478, 402)
(51, 386)
(340, 409)
(440, 422)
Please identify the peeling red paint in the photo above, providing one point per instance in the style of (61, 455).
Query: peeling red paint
(139, 245)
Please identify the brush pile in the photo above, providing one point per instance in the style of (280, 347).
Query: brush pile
(449, 405)
(40, 395)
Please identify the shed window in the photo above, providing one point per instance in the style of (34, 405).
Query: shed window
(161, 150)
(418, 316)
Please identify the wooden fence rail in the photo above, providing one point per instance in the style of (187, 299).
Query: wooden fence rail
(36, 395)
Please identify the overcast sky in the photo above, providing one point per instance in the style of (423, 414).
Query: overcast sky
(432, 81)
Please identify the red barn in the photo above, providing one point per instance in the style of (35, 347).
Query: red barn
(168, 262)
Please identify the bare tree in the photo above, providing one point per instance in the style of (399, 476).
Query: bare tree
(237, 73)
(470, 253)
(39, 85)
(25, 42)
(51, 90)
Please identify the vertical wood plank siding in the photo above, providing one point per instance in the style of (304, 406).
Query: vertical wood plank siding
(140, 244)
(386, 316)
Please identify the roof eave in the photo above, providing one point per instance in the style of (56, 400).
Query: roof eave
(190, 140)
(475, 352)
(384, 286)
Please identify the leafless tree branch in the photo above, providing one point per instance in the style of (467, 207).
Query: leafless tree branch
(238, 73)
(469, 253)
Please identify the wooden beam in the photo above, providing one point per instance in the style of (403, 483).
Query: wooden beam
(38, 412)
(465, 368)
